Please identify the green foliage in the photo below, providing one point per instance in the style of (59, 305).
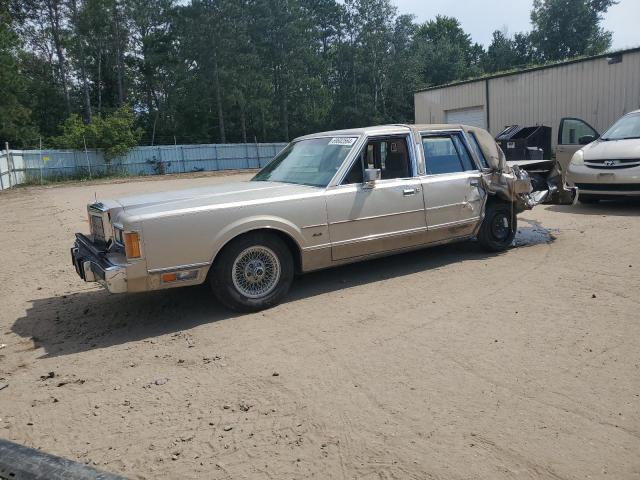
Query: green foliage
(447, 51)
(501, 53)
(114, 134)
(15, 115)
(569, 28)
(205, 71)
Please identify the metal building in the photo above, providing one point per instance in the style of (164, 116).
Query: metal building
(597, 89)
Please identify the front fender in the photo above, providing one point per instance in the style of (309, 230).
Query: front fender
(258, 222)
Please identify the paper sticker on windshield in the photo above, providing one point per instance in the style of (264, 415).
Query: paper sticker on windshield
(343, 141)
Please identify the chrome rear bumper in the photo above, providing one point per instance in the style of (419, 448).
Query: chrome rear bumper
(92, 265)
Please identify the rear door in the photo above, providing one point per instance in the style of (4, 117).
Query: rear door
(453, 198)
(573, 134)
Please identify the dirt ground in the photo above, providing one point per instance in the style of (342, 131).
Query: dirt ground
(447, 363)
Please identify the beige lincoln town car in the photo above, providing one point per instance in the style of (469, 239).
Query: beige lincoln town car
(326, 199)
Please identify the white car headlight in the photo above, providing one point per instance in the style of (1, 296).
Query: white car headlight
(578, 158)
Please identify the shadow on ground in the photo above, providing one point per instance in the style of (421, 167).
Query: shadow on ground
(625, 207)
(78, 322)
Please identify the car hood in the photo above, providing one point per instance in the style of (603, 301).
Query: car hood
(214, 196)
(612, 149)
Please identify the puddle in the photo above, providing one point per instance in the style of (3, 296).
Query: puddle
(531, 232)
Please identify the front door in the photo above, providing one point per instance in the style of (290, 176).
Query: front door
(452, 195)
(573, 134)
(388, 216)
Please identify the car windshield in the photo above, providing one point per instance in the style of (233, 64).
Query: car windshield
(625, 128)
(308, 162)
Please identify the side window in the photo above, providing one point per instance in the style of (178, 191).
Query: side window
(572, 129)
(394, 158)
(390, 155)
(355, 174)
(369, 156)
(446, 154)
(465, 158)
(478, 151)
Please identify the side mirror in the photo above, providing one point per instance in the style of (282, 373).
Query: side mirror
(586, 139)
(370, 177)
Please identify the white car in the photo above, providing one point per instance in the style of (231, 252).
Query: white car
(609, 167)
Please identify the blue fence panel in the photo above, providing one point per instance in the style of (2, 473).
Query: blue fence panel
(51, 164)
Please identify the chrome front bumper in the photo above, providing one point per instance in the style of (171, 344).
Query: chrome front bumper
(92, 265)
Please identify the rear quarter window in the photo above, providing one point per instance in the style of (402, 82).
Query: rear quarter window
(473, 141)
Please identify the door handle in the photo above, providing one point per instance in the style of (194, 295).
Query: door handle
(473, 183)
(409, 191)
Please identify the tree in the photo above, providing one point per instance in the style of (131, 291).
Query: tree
(404, 76)
(56, 21)
(114, 134)
(79, 44)
(505, 53)
(569, 28)
(15, 116)
(447, 51)
(196, 71)
(154, 63)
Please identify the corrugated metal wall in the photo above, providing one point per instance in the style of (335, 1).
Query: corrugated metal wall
(593, 90)
(33, 165)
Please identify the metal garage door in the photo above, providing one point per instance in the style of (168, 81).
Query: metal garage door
(473, 116)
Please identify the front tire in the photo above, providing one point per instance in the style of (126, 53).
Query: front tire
(253, 272)
(498, 228)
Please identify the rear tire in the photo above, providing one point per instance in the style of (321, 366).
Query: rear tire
(588, 199)
(253, 272)
(498, 227)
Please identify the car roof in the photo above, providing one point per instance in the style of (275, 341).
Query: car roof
(383, 130)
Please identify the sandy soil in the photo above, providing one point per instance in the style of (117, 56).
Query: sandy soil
(447, 363)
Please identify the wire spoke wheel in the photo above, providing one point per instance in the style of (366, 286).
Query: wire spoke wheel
(256, 271)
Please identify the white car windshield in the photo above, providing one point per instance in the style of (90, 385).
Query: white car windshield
(625, 128)
(308, 162)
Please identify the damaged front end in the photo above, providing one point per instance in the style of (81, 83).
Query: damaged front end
(524, 183)
(529, 183)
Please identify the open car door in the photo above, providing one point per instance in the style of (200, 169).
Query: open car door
(573, 134)
(547, 176)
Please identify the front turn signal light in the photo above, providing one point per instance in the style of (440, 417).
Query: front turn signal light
(132, 244)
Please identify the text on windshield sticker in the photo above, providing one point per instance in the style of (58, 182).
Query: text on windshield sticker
(343, 141)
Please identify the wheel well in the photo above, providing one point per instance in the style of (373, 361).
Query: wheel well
(495, 199)
(285, 237)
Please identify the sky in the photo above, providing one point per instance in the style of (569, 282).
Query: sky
(480, 18)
